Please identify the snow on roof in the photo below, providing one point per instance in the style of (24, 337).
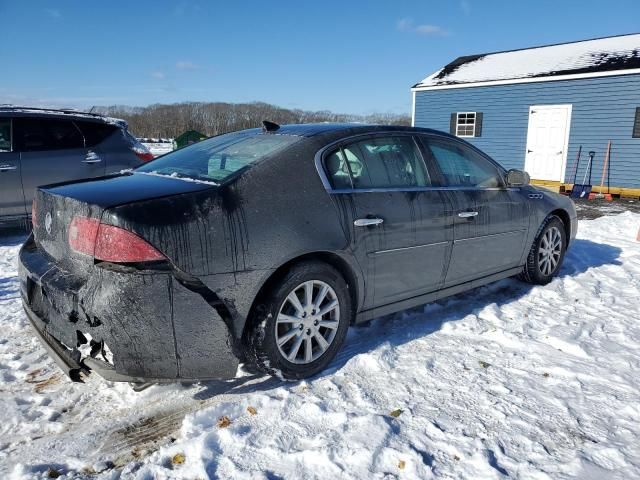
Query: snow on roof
(598, 57)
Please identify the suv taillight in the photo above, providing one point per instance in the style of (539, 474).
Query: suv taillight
(142, 152)
(109, 243)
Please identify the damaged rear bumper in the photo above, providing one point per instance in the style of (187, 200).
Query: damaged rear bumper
(76, 369)
(57, 351)
(153, 327)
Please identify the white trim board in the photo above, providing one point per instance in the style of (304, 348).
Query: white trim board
(514, 81)
(413, 109)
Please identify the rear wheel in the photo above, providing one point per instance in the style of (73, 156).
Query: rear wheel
(301, 324)
(547, 252)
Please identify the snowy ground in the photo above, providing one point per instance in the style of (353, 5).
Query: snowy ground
(509, 379)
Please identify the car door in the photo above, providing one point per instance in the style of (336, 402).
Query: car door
(401, 229)
(51, 151)
(490, 221)
(11, 197)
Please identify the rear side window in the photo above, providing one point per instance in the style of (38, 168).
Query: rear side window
(217, 158)
(38, 134)
(5, 135)
(461, 166)
(381, 162)
(337, 170)
(95, 132)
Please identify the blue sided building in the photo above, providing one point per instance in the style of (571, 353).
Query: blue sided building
(533, 108)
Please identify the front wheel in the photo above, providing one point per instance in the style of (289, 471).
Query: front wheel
(302, 322)
(547, 252)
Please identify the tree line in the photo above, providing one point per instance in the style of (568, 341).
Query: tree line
(214, 118)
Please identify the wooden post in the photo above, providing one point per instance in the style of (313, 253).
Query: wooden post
(604, 172)
(604, 168)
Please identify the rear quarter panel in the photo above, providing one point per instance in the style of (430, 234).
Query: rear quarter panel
(116, 148)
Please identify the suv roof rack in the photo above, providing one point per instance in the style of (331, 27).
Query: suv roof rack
(67, 111)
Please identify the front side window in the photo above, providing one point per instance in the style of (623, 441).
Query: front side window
(5, 135)
(461, 166)
(217, 158)
(380, 162)
(38, 134)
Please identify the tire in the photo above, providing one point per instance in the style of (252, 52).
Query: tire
(273, 320)
(537, 270)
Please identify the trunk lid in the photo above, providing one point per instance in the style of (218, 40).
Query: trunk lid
(57, 205)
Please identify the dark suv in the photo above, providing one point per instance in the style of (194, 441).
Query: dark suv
(44, 146)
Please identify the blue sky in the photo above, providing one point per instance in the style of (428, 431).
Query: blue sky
(345, 56)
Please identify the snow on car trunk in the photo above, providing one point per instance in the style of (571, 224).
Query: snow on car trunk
(509, 379)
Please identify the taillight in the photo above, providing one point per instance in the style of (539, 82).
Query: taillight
(115, 244)
(33, 214)
(82, 235)
(109, 243)
(142, 152)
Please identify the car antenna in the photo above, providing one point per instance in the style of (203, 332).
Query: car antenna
(268, 126)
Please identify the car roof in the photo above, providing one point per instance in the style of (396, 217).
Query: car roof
(312, 129)
(20, 111)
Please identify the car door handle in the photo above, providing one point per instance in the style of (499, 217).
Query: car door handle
(7, 168)
(468, 214)
(368, 222)
(91, 157)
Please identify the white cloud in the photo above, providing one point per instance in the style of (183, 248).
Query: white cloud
(186, 65)
(408, 25)
(53, 13)
(429, 30)
(465, 6)
(158, 75)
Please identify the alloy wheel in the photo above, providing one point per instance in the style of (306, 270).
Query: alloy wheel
(307, 322)
(549, 251)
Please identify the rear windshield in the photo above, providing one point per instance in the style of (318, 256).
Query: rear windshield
(217, 158)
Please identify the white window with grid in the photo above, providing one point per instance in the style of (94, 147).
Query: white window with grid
(466, 124)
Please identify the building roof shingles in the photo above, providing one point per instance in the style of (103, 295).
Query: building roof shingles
(583, 57)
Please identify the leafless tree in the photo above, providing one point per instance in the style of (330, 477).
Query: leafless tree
(169, 121)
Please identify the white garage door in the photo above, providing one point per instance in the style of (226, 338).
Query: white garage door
(547, 140)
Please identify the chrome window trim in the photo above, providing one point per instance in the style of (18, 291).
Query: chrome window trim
(320, 154)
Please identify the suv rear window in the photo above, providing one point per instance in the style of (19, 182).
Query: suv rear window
(95, 132)
(219, 157)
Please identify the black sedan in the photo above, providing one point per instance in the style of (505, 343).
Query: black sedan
(263, 246)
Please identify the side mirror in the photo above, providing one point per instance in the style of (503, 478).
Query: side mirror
(517, 178)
